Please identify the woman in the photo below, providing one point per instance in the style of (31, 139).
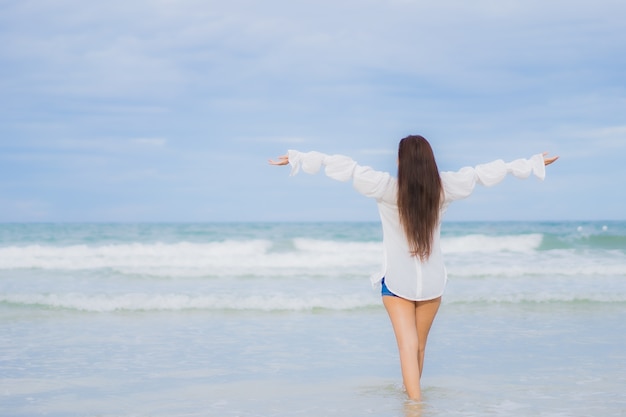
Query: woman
(411, 208)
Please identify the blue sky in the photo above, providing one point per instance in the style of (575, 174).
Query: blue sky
(164, 110)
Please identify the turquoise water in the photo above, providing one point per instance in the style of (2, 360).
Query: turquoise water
(276, 319)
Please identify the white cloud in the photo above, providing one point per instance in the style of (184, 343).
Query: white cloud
(109, 84)
(125, 49)
(275, 139)
(383, 152)
(609, 136)
(149, 142)
(25, 209)
(102, 145)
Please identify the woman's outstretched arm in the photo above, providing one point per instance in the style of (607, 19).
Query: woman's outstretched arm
(547, 160)
(281, 160)
(367, 181)
(461, 184)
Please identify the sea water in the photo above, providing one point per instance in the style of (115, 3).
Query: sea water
(280, 319)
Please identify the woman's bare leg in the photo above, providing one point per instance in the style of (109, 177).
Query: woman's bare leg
(402, 315)
(425, 312)
(411, 321)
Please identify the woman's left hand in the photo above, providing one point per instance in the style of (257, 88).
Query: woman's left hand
(548, 160)
(282, 160)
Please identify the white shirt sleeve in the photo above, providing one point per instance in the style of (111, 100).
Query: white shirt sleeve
(460, 184)
(366, 181)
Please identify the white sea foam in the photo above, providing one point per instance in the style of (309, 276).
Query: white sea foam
(545, 264)
(234, 253)
(135, 254)
(466, 256)
(71, 317)
(248, 257)
(277, 302)
(539, 298)
(177, 302)
(492, 244)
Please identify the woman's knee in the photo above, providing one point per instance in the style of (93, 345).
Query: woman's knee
(422, 343)
(409, 343)
(412, 347)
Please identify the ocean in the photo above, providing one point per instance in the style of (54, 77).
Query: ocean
(280, 319)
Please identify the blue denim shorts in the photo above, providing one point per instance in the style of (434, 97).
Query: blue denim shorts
(385, 291)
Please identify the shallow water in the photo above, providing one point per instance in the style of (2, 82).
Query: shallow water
(505, 360)
(524, 329)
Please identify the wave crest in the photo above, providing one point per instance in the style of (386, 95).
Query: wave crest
(491, 244)
(179, 302)
(138, 302)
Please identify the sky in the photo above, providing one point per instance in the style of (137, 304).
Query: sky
(168, 110)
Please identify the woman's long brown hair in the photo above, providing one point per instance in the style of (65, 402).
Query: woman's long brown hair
(419, 194)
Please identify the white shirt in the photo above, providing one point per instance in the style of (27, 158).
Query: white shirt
(405, 275)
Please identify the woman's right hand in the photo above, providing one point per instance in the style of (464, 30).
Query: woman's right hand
(281, 160)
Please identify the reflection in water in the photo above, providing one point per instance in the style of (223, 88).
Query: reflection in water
(413, 408)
